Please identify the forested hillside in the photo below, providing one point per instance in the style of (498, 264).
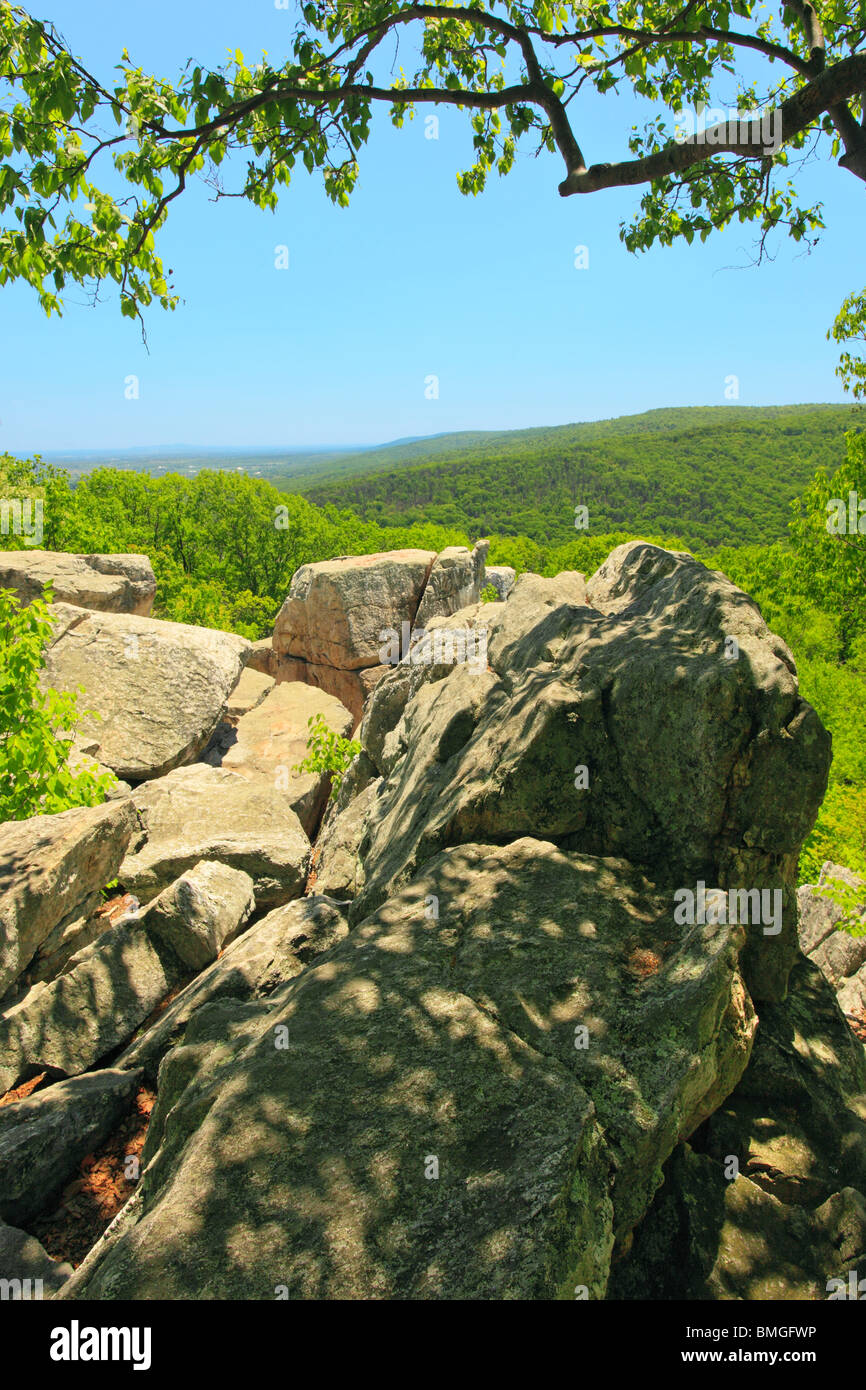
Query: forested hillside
(712, 475)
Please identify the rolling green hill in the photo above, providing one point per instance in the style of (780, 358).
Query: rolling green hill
(714, 475)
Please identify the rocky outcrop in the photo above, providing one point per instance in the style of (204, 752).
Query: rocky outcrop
(768, 1200)
(488, 999)
(839, 951)
(611, 718)
(107, 583)
(337, 609)
(44, 1137)
(154, 691)
(208, 813)
(52, 870)
(271, 740)
(455, 582)
(514, 1057)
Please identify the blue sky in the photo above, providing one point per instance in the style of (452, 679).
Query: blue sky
(412, 280)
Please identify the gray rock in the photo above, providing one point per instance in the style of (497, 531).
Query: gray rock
(337, 610)
(698, 767)
(105, 992)
(271, 741)
(838, 952)
(108, 583)
(201, 912)
(44, 1137)
(157, 690)
(71, 937)
(267, 956)
(52, 870)
(455, 582)
(27, 1271)
(202, 812)
(502, 578)
(445, 1132)
(336, 862)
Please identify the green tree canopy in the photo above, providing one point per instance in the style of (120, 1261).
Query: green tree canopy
(517, 68)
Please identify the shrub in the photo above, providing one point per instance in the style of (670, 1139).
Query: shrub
(34, 776)
(327, 751)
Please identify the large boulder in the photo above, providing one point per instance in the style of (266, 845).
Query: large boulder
(44, 1137)
(108, 583)
(52, 871)
(455, 582)
(201, 912)
(153, 691)
(513, 1046)
(337, 610)
(769, 1199)
(105, 991)
(650, 714)
(253, 966)
(202, 812)
(271, 740)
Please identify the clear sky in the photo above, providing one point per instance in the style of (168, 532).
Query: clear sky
(412, 280)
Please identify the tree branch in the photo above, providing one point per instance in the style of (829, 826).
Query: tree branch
(827, 92)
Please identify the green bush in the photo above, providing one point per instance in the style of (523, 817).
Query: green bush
(34, 776)
(327, 751)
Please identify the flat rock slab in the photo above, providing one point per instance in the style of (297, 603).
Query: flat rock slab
(337, 610)
(249, 692)
(107, 583)
(44, 1137)
(52, 869)
(272, 741)
(159, 689)
(106, 991)
(202, 812)
(411, 1117)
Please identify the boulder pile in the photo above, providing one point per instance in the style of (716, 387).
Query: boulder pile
(494, 1020)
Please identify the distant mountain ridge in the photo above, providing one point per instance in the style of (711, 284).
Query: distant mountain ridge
(714, 475)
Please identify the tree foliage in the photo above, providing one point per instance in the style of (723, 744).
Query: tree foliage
(36, 725)
(327, 751)
(517, 68)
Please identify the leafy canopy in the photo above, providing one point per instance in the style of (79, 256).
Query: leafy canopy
(517, 68)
